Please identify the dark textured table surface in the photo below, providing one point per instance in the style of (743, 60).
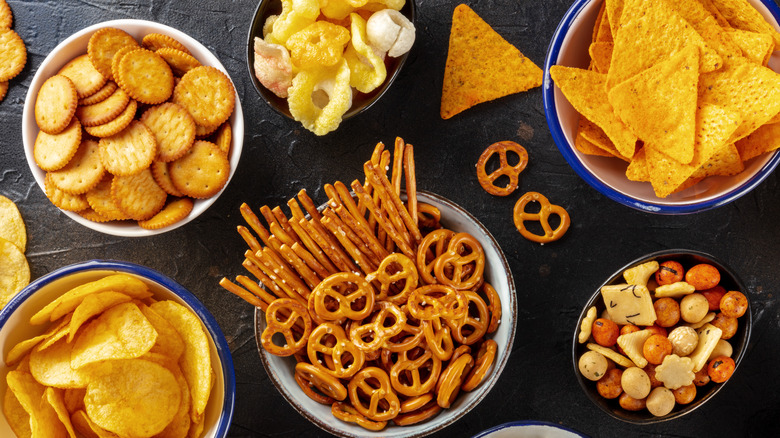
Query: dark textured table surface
(553, 281)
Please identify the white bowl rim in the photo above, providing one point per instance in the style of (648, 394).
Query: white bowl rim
(526, 423)
(111, 228)
(208, 320)
(483, 389)
(568, 152)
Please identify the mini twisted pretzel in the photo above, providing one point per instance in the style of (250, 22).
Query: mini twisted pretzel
(408, 375)
(378, 329)
(428, 216)
(471, 329)
(504, 169)
(414, 403)
(494, 306)
(438, 338)
(485, 358)
(388, 274)
(451, 379)
(550, 235)
(316, 377)
(414, 417)
(408, 338)
(437, 300)
(431, 247)
(346, 412)
(346, 358)
(462, 251)
(281, 316)
(354, 304)
(373, 384)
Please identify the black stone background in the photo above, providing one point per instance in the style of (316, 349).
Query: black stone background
(553, 281)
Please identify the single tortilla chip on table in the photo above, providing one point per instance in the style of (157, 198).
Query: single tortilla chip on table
(587, 93)
(659, 104)
(649, 33)
(481, 65)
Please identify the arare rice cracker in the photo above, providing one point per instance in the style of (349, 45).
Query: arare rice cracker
(83, 172)
(55, 104)
(201, 172)
(130, 151)
(52, 152)
(116, 125)
(138, 196)
(175, 211)
(84, 76)
(173, 129)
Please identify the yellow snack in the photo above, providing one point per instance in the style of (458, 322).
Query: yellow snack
(116, 125)
(201, 172)
(330, 88)
(13, 54)
(586, 326)
(55, 104)
(640, 274)
(145, 76)
(128, 152)
(320, 44)
(14, 271)
(103, 45)
(105, 110)
(83, 172)
(157, 41)
(92, 305)
(632, 344)
(610, 354)
(84, 76)
(367, 70)
(138, 196)
(675, 371)
(12, 226)
(295, 16)
(173, 212)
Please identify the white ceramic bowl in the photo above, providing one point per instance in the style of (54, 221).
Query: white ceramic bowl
(497, 273)
(529, 429)
(569, 46)
(15, 327)
(76, 45)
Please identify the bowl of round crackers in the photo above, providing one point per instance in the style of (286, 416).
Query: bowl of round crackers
(132, 128)
(689, 125)
(113, 348)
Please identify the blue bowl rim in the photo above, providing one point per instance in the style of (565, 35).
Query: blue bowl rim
(526, 423)
(223, 351)
(569, 154)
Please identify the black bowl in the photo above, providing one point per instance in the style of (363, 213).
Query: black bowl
(360, 101)
(739, 342)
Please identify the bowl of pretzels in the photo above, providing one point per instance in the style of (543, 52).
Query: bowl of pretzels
(383, 312)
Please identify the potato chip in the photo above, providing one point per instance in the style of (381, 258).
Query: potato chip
(30, 395)
(196, 360)
(54, 397)
(14, 271)
(18, 419)
(68, 301)
(86, 427)
(481, 65)
(61, 329)
(20, 350)
(764, 139)
(742, 15)
(121, 332)
(587, 92)
(169, 342)
(74, 398)
(180, 425)
(52, 367)
(94, 304)
(651, 32)
(135, 398)
(659, 104)
(12, 226)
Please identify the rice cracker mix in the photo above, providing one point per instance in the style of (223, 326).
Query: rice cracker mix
(110, 161)
(679, 90)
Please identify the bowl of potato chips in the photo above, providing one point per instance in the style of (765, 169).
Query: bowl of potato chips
(343, 56)
(109, 348)
(132, 128)
(666, 125)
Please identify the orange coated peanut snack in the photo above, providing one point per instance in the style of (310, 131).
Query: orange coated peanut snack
(673, 340)
(387, 320)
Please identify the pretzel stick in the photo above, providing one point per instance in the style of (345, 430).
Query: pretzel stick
(383, 222)
(281, 234)
(295, 209)
(269, 284)
(268, 215)
(255, 289)
(286, 272)
(334, 224)
(378, 179)
(334, 253)
(308, 205)
(300, 267)
(364, 234)
(249, 238)
(243, 294)
(310, 261)
(411, 183)
(398, 162)
(275, 273)
(254, 222)
(312, 246)
(346, 231)
(324, 239)
(282, 220)
(387, 205)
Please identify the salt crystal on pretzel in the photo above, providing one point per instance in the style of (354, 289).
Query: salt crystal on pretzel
(308, 276)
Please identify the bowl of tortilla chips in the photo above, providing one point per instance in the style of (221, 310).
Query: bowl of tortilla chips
(662, 124)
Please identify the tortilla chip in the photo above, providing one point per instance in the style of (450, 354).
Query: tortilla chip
(596, 136)
(762, 140)
(614, 13)
(714, 125)
(602, 31)
(707, 26)
(584, 145)
(725, 162)
(651, 32)
(659, 104)
(722, 22)
(481, 65)
(757, 47)
(587, 93)
(601, 55)
(744, 87)
(637, 169)
(742, 15)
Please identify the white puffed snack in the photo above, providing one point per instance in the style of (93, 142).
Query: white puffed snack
(593, 365)
(675, 371)
(586, 327)
(660, 401)
(273, 67)
(684, 340)
(635, 382)
(390, 32)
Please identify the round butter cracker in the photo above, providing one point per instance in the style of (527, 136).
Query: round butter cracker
(130, 151)
(13, 54)
(175, 211)
(163, 178)
(55, 104)
(63, 200)
(3, 89)
(104, 111)
(6, 17)
(207, 93)
(52, 152)
(103, 45)
(173, 129)
(84, 76)
(116, 125)
(100, 95)
(145, 76)
(180, 62)
(157, 41)
(138, 196)
(201, 172)
(83, 172)
(101, 202)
